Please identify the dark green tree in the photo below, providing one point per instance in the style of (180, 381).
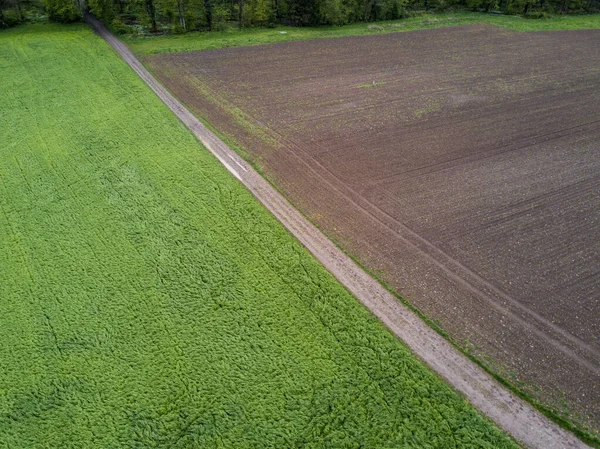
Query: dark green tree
(302, 12)
(103, 9)
(151, 11)
(3, 23)
(62, 10)
(208, 12)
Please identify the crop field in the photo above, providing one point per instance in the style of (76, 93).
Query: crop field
(148, 300)
(461, 165)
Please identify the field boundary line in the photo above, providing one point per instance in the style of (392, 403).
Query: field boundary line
(454, 269)
(512, 414)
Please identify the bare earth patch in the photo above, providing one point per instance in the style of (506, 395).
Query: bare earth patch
(461, 164)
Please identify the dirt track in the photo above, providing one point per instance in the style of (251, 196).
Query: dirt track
(461, 164)
(512, 414)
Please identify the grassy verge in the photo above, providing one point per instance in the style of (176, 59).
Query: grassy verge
(257, 36)
(149, 301)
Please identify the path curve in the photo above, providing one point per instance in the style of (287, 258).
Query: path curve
(512, 414)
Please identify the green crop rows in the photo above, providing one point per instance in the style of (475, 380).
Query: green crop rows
(147, 299)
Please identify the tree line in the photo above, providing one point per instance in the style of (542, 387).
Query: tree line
(178, 16)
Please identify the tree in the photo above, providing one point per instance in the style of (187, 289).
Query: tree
(63, 10)
(258, 12)
(331, 12)
(302, 12)
(208, 11)
(103, 9)
(3, 23)
(18, 8)
(181, 4)
(151, 11)
(185, 15)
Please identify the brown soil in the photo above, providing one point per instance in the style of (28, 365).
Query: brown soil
(462, 165)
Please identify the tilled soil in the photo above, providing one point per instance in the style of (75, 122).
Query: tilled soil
(461, 165)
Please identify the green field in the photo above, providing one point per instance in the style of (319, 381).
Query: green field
(256, 36)
(148, 300)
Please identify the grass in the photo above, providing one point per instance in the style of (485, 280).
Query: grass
(372, 84)
(144, 45)
(148, 300)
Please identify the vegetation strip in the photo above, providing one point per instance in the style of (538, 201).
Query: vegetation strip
(511, 413)
(145, 45)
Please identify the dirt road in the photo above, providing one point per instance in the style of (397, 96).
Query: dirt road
(509, 412)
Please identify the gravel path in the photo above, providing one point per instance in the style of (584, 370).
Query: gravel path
(512, 414)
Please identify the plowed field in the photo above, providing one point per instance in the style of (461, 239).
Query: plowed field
(461, 164)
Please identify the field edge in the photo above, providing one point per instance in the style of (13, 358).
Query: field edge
(549, 413)
(568, 423)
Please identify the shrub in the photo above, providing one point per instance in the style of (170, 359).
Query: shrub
(119, 27)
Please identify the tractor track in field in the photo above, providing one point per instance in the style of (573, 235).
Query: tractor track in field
(513, 415)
